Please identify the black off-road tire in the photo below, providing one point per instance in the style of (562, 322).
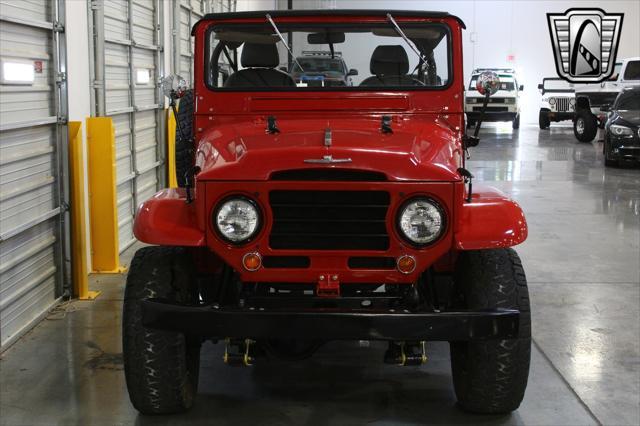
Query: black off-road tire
(184, 141)
(543, 119)
(585, 126)
(161, 367)
(515, 124)
(491, 376)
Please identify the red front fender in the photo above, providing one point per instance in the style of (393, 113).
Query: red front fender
(490, 220)
(167, 220)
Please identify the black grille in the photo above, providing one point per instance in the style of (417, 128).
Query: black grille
(383, 263)
(329, 220)
(562, 104)
(492, 109)
(286, 262)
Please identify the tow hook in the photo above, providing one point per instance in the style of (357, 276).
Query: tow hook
(239, 352)
(405, 353)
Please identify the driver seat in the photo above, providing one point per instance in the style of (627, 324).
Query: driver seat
(389, 66)
(259, 61)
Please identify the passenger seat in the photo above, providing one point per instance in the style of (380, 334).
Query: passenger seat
(259, 61)
(389, 66)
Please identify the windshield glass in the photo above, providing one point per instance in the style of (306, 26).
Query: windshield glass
(557, 85)
(327, 56)
(629, 101)
(632, 72)
(318, 65)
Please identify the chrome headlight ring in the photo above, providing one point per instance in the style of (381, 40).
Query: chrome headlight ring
(237, 219)
(421, 221)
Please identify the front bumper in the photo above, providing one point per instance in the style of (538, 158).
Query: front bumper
(492, 116)
(330, 324)
(622, 152)
(560, 116)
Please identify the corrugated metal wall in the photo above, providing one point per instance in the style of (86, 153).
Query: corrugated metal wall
(33, 163)
(185, 14)
(128, 62)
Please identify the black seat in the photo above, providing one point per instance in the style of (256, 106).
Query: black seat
(259, 61)
(389, 66)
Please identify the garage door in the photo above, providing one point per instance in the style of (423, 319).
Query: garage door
(185, 14)
(127, 49)
(32, 162)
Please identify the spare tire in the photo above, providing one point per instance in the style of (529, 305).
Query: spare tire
(184, 140)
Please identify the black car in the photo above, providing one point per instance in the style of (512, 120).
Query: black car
(622, 130)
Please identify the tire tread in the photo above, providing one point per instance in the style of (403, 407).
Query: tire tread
(491, 376)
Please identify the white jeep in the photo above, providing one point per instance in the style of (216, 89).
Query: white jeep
(591, 98)
(558, 101)
(503, 106)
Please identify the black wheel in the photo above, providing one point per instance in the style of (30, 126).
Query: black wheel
(491, 376)
(585, 126)
(184, 140)
(161, 367)
(543, 119)
(516, 122)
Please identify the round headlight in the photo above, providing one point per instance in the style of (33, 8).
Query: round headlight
(421, 221)
(552, 101)
(237, 219)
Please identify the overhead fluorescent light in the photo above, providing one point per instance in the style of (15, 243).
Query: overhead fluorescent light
(143, 76)
(16, 71)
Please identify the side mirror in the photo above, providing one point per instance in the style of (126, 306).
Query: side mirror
(540, 87)
(521, 87)
(353, 71)
(488, 83)
(605, 108)
(173, 86)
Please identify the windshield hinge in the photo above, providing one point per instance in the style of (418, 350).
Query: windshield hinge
(272, 126)
(468, 178)
(385, 125)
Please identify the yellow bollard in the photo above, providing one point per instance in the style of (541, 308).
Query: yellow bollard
(78, 224)
(171, 149)
(101, 151)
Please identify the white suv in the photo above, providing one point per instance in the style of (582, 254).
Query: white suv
(593, 100)
(503, 106)
(558, 101)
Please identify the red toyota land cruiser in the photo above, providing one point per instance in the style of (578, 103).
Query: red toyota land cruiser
(309, 213)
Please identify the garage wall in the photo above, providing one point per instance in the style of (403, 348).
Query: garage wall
(128, 60)
(499, 29)
(34, 256)
(185, 14)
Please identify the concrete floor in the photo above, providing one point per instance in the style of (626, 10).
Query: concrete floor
(582, 260)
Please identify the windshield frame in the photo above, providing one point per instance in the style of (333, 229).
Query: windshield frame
(353, 89)
(564, 90)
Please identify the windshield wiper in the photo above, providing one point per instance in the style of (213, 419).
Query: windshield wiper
(406, 39)
(273, 24)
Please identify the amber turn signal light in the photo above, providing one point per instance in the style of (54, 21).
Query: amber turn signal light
(252, 261)
(406, 264)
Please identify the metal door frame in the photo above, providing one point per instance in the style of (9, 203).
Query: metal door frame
(60, 169)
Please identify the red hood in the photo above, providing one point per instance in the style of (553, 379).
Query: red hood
(418, 149)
